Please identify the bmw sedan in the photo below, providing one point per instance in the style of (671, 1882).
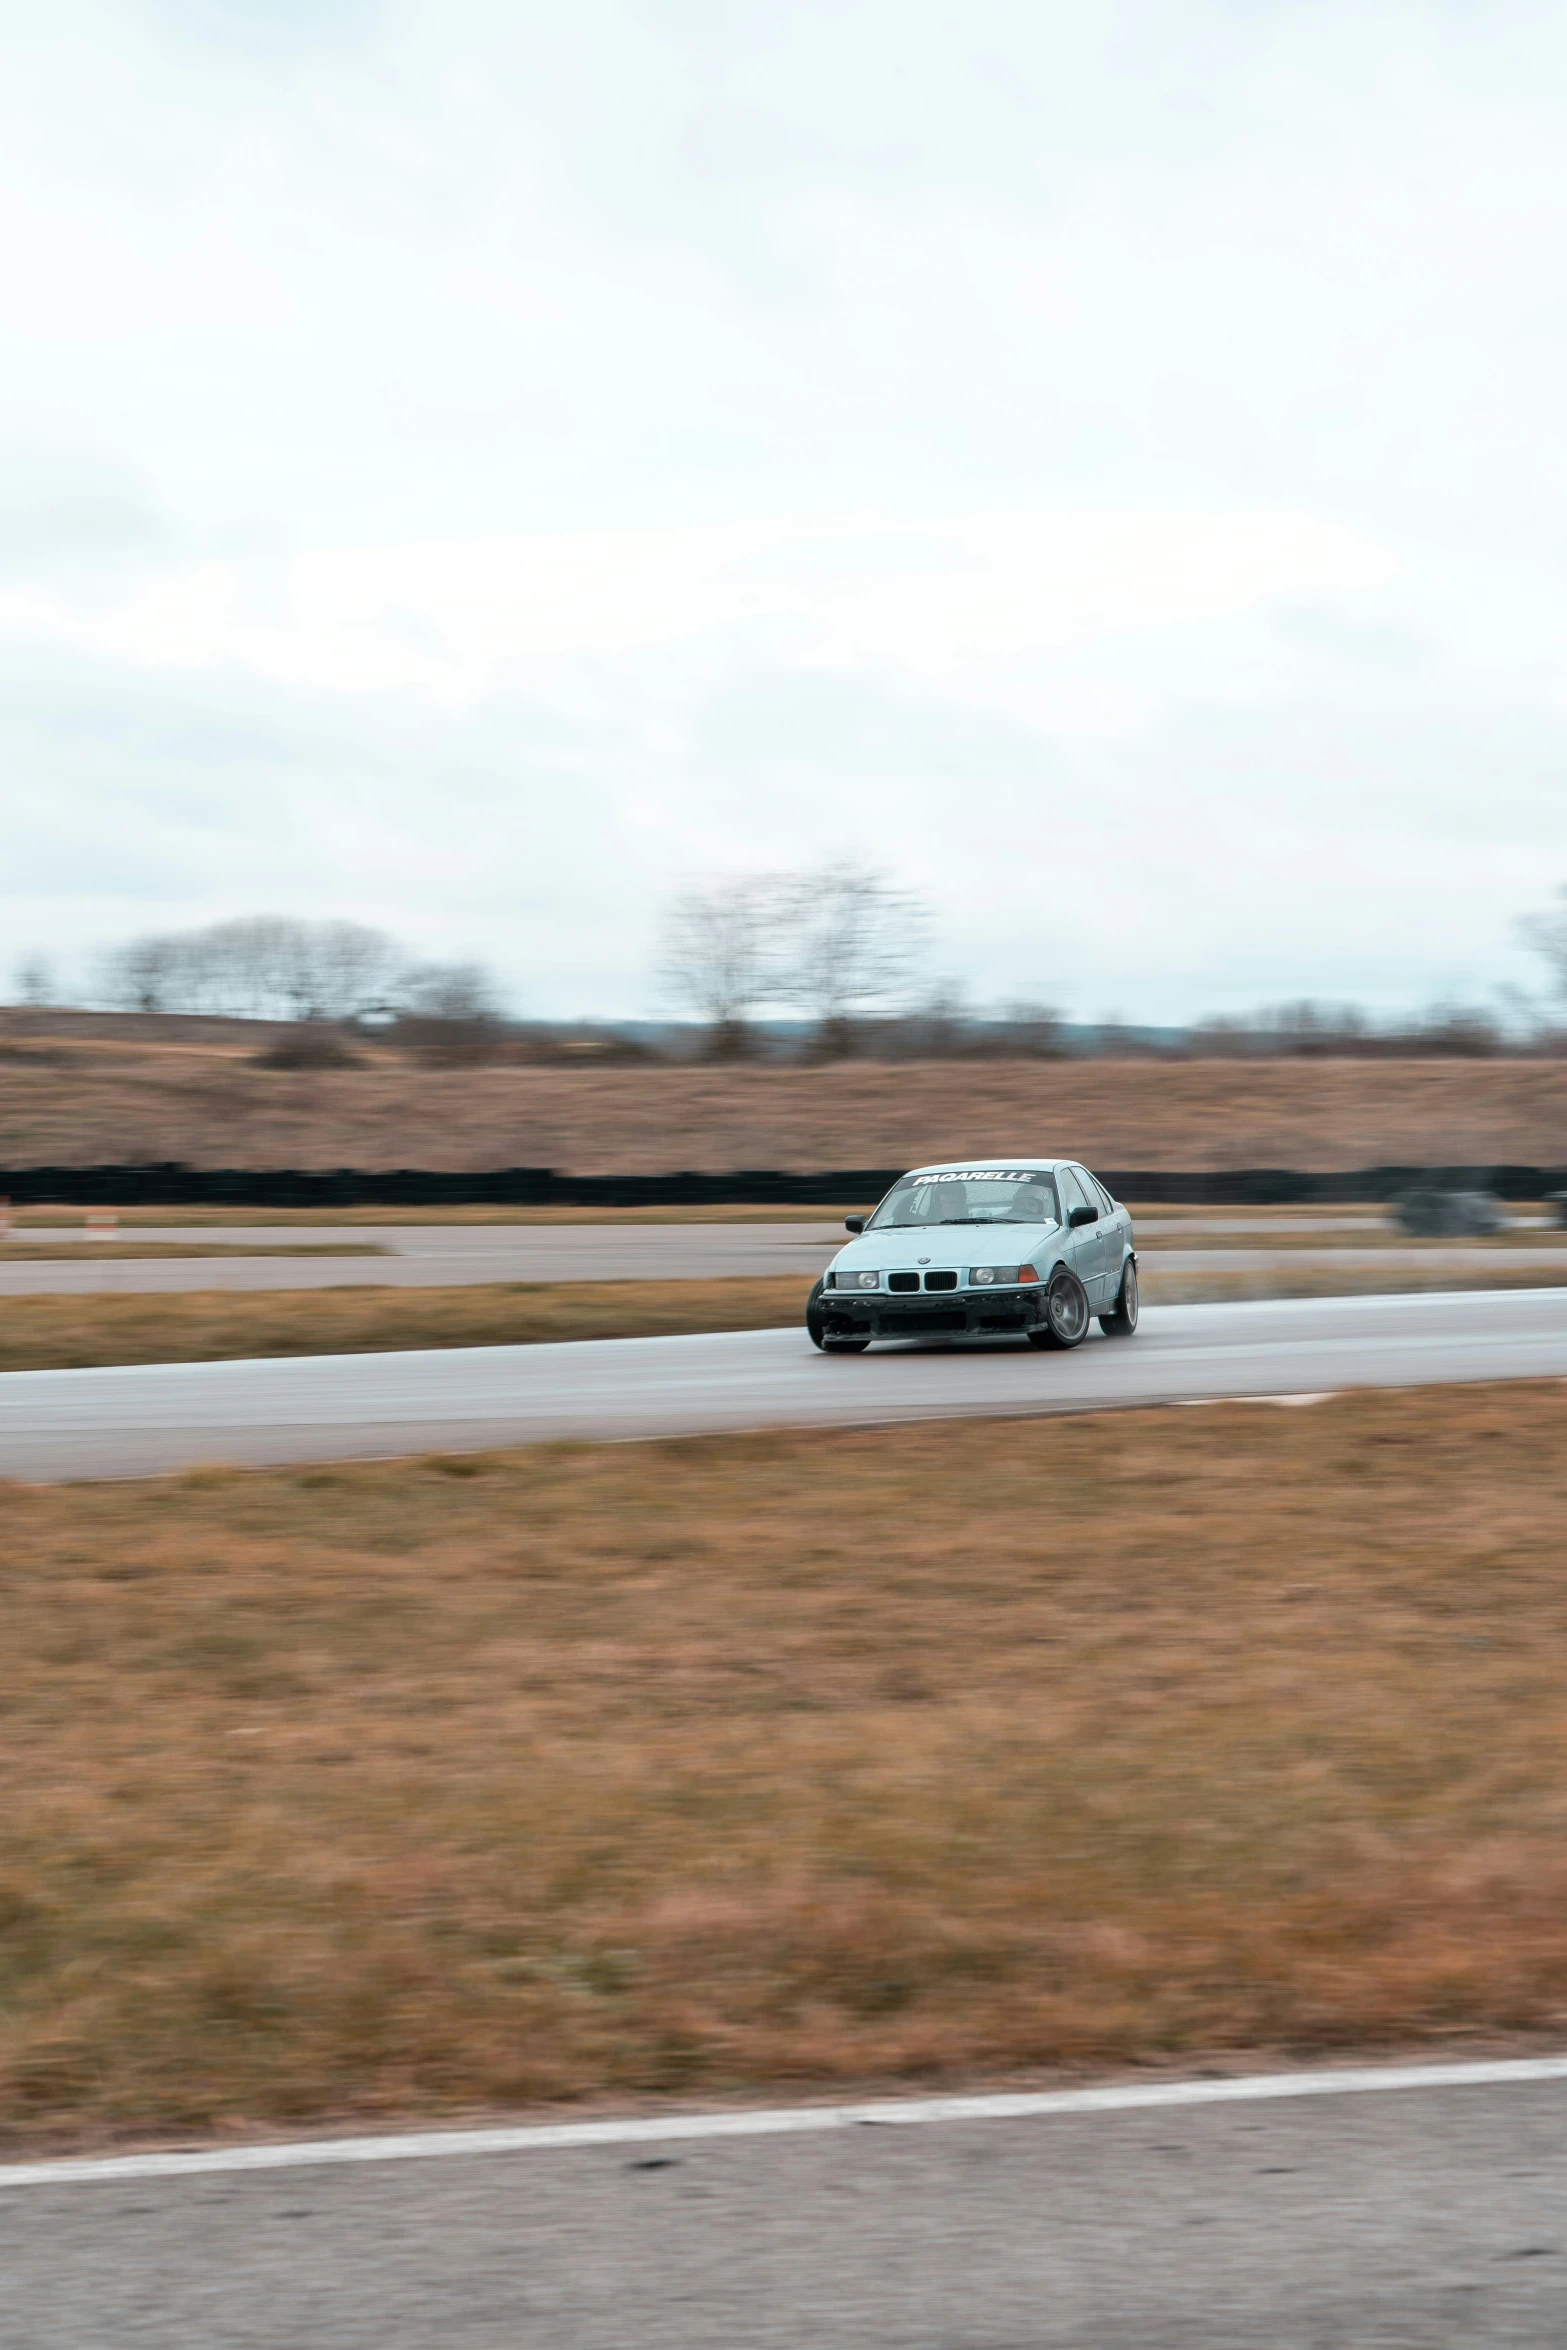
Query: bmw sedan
(982, 1248)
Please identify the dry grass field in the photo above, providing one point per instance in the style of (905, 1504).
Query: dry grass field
(87, 1100)
(792, 1759)
(216, 1325)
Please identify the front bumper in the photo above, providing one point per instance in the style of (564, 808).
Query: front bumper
(931, 1314)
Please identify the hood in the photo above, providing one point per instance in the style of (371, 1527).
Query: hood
(899, 1250)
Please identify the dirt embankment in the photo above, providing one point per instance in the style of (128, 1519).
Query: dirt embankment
(85, 1103)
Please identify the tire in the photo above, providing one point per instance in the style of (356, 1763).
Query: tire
(818, 1336)
(1121, 1321)
(1066, 1313)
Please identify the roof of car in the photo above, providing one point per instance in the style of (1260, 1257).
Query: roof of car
(1025, 1162)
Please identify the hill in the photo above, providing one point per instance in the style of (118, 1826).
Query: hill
(179, 1094)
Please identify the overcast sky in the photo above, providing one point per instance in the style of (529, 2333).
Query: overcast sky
(469, 464)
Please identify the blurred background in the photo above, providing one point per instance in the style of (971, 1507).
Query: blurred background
(489, 476)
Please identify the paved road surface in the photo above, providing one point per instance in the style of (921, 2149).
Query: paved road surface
(145, 1419)
(1395, 2220)
(423, 1256)
(437, 1255)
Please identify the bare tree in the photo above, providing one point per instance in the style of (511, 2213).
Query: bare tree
(1547, 934)
(721, 953)
(35, 984)
(449, 1012)
(353, 970)
(260, 964)
(269, 966)
(1033, 1029)
(140, 977)
(258, 967)
(938, 1027)
(855, 946)
(448, 991)
(244, 968)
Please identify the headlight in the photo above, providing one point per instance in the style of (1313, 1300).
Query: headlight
(856, 1281)
(983, 1275)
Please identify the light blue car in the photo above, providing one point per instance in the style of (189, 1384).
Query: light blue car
(982, 1248)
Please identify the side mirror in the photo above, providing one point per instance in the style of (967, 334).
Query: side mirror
(854, 1223)
(1082, 1215)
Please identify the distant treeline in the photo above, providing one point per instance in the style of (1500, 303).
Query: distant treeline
(456, 1032)
(1034, 1033)
(831, 963)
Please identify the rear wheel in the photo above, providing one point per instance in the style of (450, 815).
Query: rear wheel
(844, 1346)
(1121, 1321)
(1066, 1313)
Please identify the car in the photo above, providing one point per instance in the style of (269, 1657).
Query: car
(1025, 1247)
(1428, 1213)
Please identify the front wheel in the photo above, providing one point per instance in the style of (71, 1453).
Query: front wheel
(1121, 1321)
(1066, 1313)
(815, 1324)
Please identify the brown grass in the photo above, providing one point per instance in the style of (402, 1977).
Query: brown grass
(97, 1101)
(783, 1759)
(218, 1325)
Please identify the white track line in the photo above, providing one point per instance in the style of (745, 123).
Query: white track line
(788, 2121)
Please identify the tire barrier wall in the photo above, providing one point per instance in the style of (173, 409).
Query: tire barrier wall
(418, 1187)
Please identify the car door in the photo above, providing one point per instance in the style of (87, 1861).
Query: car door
(1084, 1250)
(1115, 1230)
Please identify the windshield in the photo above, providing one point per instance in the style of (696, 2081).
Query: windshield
(1010, 1196)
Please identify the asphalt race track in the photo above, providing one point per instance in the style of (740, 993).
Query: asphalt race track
(425, 1256)
(1416, 2219)
(142, 1420)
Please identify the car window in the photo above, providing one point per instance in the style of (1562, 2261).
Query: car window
(1106, 1203)
(979, 1195)
(1072, 1193)
(1089, 1189)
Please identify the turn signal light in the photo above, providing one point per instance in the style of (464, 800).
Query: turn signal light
(1027, 1273)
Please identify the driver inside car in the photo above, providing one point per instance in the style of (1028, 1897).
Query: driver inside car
(1030, 1205)
(944, 1203)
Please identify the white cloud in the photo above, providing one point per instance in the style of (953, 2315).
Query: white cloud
(465, 466)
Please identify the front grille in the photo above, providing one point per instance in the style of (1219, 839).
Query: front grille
(941, 1281)
(903, 1281)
